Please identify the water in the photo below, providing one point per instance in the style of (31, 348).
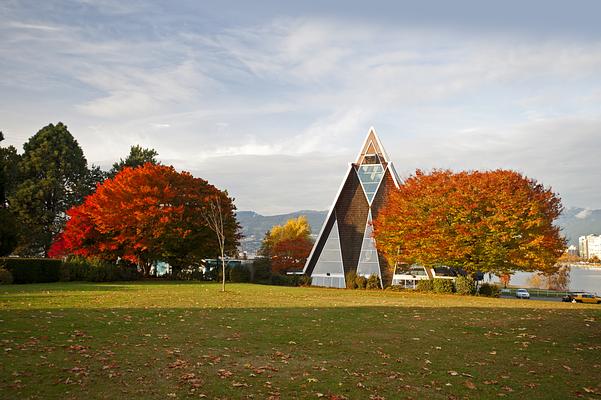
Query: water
(581, 279)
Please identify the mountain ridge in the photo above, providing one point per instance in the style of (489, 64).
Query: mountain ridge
(574, 222)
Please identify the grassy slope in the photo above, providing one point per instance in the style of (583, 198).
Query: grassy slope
(166, 340)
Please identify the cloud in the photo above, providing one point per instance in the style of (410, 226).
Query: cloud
(292, 98)
(140, 91)
(584, 214)
(38, 27)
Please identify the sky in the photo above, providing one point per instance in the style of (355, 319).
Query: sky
(271, 101)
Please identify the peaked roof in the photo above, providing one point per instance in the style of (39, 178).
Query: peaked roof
(372, 145)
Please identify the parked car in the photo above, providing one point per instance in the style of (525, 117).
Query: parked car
(569, 298)
(586, 298)
(522, 294)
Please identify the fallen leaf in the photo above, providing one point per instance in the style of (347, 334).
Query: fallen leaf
(469, 384)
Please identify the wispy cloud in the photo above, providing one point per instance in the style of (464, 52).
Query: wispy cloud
(584, 214)
(305, 89)
(139, 91)
(37, 27)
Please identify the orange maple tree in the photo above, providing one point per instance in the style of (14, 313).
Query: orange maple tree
(492, 222)
(146, 214)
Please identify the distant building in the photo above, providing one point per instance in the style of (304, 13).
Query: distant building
(409, 276)
(572, 250)
(589, 246)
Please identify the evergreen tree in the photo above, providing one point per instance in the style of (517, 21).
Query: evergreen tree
(9, 159)
(8, 177)
(53, 174)
(137, 156)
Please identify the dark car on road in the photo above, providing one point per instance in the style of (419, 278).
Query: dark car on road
(581, 297)
(568, 298)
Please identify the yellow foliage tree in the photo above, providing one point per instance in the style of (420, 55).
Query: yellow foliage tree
(293, 229)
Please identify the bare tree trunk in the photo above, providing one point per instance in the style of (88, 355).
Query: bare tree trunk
(146, 269)
(214, 219)
(222, 271)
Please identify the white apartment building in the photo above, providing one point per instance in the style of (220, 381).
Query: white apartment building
(589, 246)
(572, 250)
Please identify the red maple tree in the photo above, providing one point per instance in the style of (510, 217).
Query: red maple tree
(290, 254)
(147, 214)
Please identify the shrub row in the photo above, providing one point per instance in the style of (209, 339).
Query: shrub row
(6, 278)
(257, 272)
(95, 270)
(463, 285)
(43, 270)
(262, 273)
(32, 270)
(239, 274)
(289, 280)
(486, 289)
(354, 281)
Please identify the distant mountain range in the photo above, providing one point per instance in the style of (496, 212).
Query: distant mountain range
(574, 222)
(255, 225)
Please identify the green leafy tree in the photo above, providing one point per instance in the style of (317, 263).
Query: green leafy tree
(93, 177)
(8, 179)
(52, 178)
(9, 159)
(137, 157)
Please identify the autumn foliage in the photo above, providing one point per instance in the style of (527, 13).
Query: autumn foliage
(147, 214)
(288, 245)
(290, 254)
(494, 221)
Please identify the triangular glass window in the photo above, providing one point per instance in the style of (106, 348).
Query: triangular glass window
(330, 259)
(368, 259)
(370, 176)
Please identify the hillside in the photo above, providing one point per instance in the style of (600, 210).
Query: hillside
(255, 225)
(577, 222)
(574, 222)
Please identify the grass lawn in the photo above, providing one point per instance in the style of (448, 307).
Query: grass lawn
(188, 340)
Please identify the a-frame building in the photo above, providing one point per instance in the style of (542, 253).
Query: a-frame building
(345, 243)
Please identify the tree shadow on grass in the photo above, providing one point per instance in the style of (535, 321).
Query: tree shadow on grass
(300, 352)
(64, 287)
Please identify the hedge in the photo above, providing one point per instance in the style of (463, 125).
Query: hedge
(239, 273)
(261, 269)
(305, 280)
(6, 278)
(489, 290)
(285, 280)
(33, 270)
(373, 282)
(441, 285)
(361, 282)
(425, 285)
(465, 285)
(95, 270)
(351, 280)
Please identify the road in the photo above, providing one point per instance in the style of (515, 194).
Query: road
(533, 298)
